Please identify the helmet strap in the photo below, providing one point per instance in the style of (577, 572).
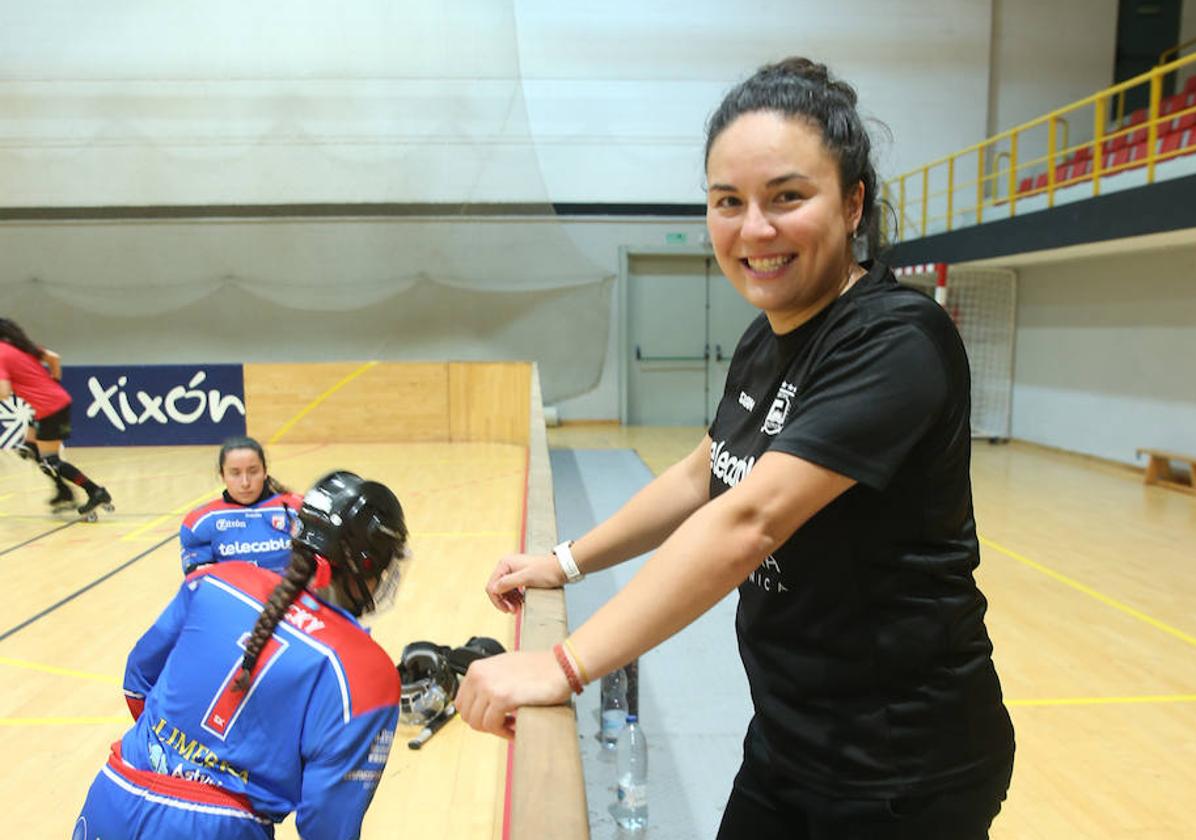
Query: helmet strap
(323, 576)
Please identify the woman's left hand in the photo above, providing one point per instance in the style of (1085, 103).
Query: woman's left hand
(495, 687)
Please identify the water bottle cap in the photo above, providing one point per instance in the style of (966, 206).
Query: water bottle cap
(632, 718)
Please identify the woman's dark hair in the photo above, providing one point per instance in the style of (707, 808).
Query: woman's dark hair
(11, 332)
(802, 89)
(246, 442)
(294, 579)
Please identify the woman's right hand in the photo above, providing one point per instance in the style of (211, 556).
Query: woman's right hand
(517, 571)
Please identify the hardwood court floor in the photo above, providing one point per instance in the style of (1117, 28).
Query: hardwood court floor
(1091, 582)
(77, 598)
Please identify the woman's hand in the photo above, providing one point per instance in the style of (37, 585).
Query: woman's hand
(495, 687)
(515, 571)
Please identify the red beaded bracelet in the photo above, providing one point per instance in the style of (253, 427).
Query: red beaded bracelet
(566, 666)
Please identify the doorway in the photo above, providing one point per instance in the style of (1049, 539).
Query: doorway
(681, 321)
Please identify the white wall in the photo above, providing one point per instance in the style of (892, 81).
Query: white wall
(1047, 55)
(1187, 32)
(1104, 354)
(225, 102)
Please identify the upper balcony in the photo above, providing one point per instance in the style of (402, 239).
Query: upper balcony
(1086, 172)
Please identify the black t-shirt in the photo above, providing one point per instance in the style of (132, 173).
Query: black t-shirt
(863, 635)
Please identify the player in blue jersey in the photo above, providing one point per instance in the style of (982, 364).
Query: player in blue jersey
(257, 695)
(251, 521)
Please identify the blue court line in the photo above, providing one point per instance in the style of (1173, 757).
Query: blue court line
(39, 536)
(91, 585)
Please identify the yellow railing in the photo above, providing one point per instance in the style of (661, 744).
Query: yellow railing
(938, 197)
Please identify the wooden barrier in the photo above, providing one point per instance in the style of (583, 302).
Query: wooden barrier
(492, 402)
(388, 402)
(548, 797)
(1158, 470)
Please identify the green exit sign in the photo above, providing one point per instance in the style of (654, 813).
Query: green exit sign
(676, 238)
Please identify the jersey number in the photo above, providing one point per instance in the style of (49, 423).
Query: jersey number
(226, 706)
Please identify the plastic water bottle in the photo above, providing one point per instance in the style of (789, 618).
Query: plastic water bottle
(631, 761)
(614, 707)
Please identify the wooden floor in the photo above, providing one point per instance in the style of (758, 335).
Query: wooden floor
(1091, 581)
(77, 596)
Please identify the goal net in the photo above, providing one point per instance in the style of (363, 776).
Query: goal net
(982, 302)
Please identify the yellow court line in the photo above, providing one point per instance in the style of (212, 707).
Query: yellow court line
(54, 669)
(1092, 593)
(64, 721)
(464, 533)
(286, 427)
(178, 511)
(1103, 701)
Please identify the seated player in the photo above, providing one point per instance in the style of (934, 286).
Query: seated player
(251, 521)
(257, 695)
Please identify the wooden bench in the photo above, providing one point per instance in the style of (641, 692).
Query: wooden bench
(1159, 471)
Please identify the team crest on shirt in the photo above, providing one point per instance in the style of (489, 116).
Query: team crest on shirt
(279, 522)
(778, 413)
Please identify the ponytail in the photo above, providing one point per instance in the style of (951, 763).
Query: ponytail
(294, 579)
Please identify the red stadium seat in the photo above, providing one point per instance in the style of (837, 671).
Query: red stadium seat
(1136, 117)
(1169, 106)
(1189, 141)
(1170, 143)
(1081, 170)
(1190, 85)
(1138, 152)
(1040, 183)
(1136, 137)
(1084, 153)
(1185, 122)
(1027, 184)
(1121, 157)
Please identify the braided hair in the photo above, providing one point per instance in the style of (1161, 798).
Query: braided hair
(11, 332)
(802, 89)
(296, 576)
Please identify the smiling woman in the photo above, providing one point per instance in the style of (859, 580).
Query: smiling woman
(832, 489)
(790, 186)
(780, 221)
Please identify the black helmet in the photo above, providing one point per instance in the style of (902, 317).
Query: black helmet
(428, 682)
(357, 526)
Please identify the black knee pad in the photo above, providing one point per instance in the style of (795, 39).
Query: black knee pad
(49, 465)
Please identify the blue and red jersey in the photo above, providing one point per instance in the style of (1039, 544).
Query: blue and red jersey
(32, 382)
(259, 533)
(311, 734)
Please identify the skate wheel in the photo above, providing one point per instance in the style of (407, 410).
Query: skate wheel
(91, 517)
(109, 507)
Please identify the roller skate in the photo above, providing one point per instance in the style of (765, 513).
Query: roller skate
(63, 500)
(96, 498)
